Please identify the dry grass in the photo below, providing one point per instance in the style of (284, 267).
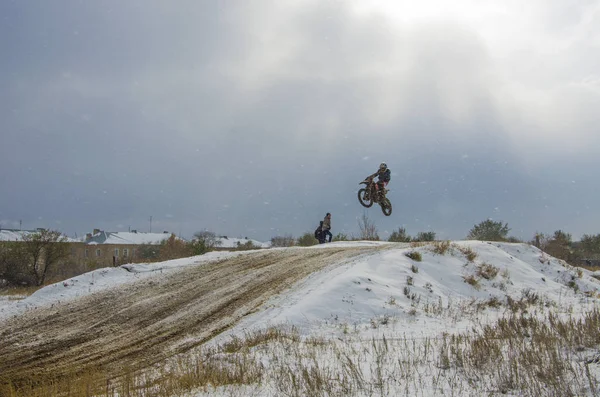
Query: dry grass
(532, 350)
(472, 280)
(517, 355)
(440, 247)
(19, 291)
(468, 253)
(414, 255)
(487, 271)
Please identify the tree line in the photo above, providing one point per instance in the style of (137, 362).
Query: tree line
(559, 244)
(40, 255)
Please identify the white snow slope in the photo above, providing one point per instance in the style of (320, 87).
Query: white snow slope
(360, 292)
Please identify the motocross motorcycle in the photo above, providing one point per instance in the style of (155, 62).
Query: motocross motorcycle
(370, 194)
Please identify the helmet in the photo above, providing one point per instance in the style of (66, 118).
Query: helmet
(382, 166)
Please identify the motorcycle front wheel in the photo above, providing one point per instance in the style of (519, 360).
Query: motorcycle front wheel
(364, 198)
(386, 207)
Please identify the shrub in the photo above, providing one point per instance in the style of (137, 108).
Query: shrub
(471, 280)
(487, 271)
(174, 248)
(414, 255)
(282, 241)
(468, 253)
(489, 230)
(399, 236)
(306, 240)
(425, 236)
(248, 245)
(441, 247)
(341, 237)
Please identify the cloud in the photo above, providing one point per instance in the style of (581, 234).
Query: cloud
(206, 111)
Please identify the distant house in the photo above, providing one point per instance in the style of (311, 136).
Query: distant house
(18, 235)
(224, 243)
(98, 249)
(115, 248)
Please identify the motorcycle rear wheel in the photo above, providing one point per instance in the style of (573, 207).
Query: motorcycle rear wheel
(386, 207)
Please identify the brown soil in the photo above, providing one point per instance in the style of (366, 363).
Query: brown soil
(142, 323)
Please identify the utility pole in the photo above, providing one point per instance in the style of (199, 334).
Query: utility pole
(150, 223)
(20, 225)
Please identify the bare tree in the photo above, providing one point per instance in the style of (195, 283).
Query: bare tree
(368, 230)
(44, 249)
(204, 241)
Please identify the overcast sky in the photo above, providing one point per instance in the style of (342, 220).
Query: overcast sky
(255, 118)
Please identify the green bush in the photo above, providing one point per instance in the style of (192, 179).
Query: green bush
(341, 237)
(283, 241)
(425, 236)
(399, 236)
(489, 230)
(306, 240)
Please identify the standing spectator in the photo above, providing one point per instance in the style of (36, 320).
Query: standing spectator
(327, 227)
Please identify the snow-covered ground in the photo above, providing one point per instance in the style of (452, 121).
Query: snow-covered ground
(234, 242)
(382, 294)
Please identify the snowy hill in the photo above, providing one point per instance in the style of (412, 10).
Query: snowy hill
(345, 291)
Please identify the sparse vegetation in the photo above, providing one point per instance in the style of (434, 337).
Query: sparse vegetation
(440, 247)
(425, 236)
(248, 245)
(399, 236)
(472, 280)
(341, 237)
(414, 255)
(468, 253)
(307, 240)
(368, 230)
(487, 271)
(530, 350)
(283, 241)
(495, 355)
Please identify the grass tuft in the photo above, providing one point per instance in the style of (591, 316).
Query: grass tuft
(414, 255)
(487, 271)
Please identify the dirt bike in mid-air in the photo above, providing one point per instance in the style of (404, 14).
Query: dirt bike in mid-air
(369, 195)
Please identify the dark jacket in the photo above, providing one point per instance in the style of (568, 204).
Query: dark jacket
(319, 231)
(384, 176)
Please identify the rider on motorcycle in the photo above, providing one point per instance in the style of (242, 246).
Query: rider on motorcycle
(384, 176)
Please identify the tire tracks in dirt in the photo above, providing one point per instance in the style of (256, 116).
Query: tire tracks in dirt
(141, 323)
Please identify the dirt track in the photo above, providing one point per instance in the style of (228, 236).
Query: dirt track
(141, 323)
